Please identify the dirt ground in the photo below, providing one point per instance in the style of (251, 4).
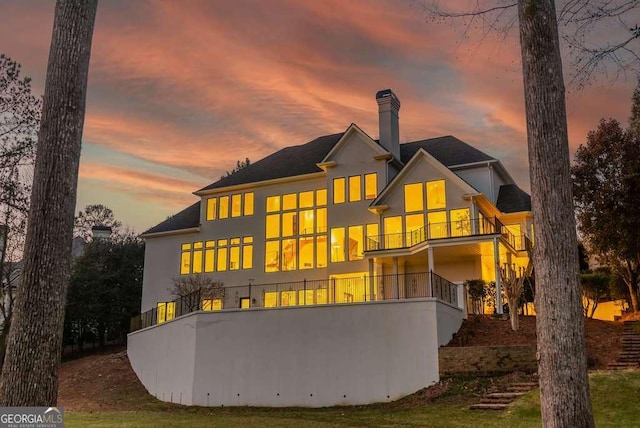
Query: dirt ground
(106, 382)
(602, 337)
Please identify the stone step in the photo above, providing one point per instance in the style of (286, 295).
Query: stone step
(519, 388)
(496, 401)
(511, 395)
(486, 406)
(527, 384)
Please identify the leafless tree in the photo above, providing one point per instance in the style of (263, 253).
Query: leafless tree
(602, 37)
(30, 370)
(512, 280)
(193, 289)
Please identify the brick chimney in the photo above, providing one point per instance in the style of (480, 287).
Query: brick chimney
(388, 107)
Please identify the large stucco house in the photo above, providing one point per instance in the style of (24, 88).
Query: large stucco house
(342, 261)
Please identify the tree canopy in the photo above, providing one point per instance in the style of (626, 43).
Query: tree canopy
(606, 179)
(95, 215)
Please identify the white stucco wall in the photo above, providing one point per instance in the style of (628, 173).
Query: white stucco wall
(308, 356)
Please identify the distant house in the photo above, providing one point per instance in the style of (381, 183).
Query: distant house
(342, 261)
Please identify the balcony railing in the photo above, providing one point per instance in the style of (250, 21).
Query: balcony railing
(450, 229)
(306, 293)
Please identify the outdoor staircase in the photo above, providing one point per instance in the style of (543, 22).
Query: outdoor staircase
(500, 400)
(629, 358)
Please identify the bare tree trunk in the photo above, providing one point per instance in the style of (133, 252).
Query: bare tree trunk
(513, 313)
(562, 367)
(30, 370)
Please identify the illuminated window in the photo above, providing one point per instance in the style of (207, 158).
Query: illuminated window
(306, 222)
(513, 228)
(289, 202)
(272, 256)
(393, 232)
(413, 197)
(306, 199)
(224, 207)
(322, 296)
(212, 205)
(248, 203)
(355, 188)
(197, 257)
(289, 254)
(161, 312)
(273, 226)
(288, 298)
(437, 224)
(273, 204)
(222, 257)
(372, 230)
(306, 253)
(461, 222)
(373, 239)
(305, 297)
(244, 303)
(321, 197)
(236, 205)
(209, 256)
(171, 310)
(338, 190)
(436, 195)
(270, 299)
(234, 258)
(337, 244)
(321, 220)
(185, 260)
(212, 304)
(321, 251)
(356, 242)
(414, 228)
(247, 252)
(289, 222)
(370, 186)
(482, 226)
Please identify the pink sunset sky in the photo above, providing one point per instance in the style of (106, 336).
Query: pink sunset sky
(180, 90)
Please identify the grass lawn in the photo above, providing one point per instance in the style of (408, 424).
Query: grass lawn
(614, 396)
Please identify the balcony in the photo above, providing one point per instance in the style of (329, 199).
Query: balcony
(452, 229)
(306, 293)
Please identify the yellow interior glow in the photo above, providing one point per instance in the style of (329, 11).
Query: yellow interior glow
(338, 190)
(393, 232)
(222, 259)
(356, 242)
(224, 207)
(289, 254)
(236, 205)
(289, 202)
(234, 258)
(337, 244)
(306, 253)
(272, 256)
(413, 197)
(436, 195)
(306, 222)
(289, 221)
(321, 197)
(273, 204)
(212, 205)
(306, 199)
(371, 186)
(438, 227)
(321, 251)
(355, 188)
(460, 222)
(272, 226)
(247, 256)
(248, 203)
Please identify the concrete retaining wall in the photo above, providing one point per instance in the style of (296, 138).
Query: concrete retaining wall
(302, 356)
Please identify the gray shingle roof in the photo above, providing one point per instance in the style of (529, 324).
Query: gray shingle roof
(288, 162)
(302, 159)
(448, 150)
(512, 199)
(185, 219)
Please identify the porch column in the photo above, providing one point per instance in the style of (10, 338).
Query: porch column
(430, 261)
(394, 271)
(371, 280)
(496, 264)
(475, 221)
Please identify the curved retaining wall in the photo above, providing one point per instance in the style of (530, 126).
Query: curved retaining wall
(300, 356)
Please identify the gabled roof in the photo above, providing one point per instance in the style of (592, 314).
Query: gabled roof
(185, 219)
(512, 199)
(423, 154)
(288, 162)
(448, 150)
(303, 159)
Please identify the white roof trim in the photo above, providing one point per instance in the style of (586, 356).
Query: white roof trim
(353, 128)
